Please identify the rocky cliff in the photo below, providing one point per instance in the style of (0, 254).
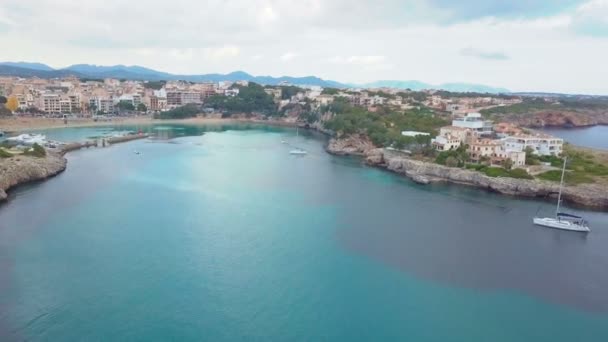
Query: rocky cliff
(589, 195)
(559, 118)
(353, 145)
(24, 169)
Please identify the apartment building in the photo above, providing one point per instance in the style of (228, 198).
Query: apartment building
(51, 103)
(541, 144)
(177, 98)
(475, 122)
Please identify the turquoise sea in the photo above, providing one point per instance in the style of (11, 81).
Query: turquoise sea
(216, 233)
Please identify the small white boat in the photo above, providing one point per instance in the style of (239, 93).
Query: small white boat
(136, 152)
(562, 220)
(298, 152)
(28, 139)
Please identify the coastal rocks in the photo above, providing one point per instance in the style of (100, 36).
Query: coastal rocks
(557, 118)
(352, 145)
(590, 195)
(24, 169)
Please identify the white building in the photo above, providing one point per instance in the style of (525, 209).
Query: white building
(541, 144)
(446, 143)
(475, 122)
(51, 103)
(413, 134)
(100, 104)
(232, 92)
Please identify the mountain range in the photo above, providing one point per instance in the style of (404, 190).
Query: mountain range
(25, 69)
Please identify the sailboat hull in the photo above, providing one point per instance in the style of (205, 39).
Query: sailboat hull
(561, 224)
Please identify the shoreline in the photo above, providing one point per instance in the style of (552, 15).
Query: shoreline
(18, 125)
(588, 196)
(22, 170)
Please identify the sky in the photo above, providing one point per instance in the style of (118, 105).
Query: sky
(531, 45)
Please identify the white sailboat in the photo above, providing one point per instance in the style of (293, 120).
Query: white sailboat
(562, 220)
(298, 151)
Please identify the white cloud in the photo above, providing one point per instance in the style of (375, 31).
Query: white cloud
(219, 53)
(358, 60)
(484, 54)
(591, 18)
(371, 40)
(288, 56)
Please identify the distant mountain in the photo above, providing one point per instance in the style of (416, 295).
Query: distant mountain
(24, 69)
(7, 70)
(141, 73)
(27, 65)
(454, 87)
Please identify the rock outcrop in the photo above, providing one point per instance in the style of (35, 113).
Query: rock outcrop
(589, 195)
(358, 145)
(24, 169)
(559, 118)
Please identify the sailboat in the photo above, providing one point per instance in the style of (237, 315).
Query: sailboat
(562, 220)
(298, 151)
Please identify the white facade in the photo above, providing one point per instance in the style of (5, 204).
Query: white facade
(232, 92)
(475, 122)
(543, 145)
(446, 143)
(413, 133)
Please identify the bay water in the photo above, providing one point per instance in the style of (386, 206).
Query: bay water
(217, 233)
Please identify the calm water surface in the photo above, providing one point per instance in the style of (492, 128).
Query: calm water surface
(224, 236)
(595, 137)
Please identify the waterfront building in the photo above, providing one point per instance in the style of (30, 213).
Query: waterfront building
(540, 144)
(475, 122)
(51, 103)
(446, 142)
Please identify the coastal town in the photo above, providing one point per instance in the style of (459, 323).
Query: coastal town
(455, 130)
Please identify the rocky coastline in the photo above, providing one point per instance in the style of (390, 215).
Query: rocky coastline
(20, 170)
(559, 119)
(588, 195)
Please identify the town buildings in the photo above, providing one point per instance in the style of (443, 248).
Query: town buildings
(540, 144)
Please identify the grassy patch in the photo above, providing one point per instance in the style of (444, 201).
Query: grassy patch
(571, 177)
(499, 171)
(5, 154)
(35, 151)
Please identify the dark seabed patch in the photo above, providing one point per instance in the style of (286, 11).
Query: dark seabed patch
(483, 241)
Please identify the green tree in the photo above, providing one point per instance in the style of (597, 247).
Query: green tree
(330, 91)
(451, 162)
(142, 108)
(184, 112)
(35, 151)
(125, 106)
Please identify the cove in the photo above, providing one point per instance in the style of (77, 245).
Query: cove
(217, 233)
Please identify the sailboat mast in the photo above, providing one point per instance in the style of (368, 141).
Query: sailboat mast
(561, 185)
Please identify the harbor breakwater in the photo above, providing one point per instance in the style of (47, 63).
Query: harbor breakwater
(21, 169)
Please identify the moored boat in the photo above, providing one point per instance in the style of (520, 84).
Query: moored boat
(562, 220)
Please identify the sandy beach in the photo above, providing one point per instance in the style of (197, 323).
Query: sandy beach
(23, 124)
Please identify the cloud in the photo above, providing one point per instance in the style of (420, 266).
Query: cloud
(288, 56)
(370, 40)
(487, 55)
(473, 9)
(218, 53)
(591, 18)
(358, 60)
